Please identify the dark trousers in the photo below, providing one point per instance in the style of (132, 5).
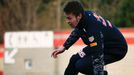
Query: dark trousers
(91, 64)
(85, 65)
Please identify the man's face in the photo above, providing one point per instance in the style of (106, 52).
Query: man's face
(72, 20)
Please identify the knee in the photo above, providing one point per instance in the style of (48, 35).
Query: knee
(122, 55)
(81, 67)
(78, 64)
(74, 58)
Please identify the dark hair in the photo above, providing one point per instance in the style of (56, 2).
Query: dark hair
(74, 7)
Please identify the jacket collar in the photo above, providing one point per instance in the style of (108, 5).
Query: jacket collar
(82, 22)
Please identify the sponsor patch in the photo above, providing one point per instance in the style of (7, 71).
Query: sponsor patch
(93, 44)
(91, 39)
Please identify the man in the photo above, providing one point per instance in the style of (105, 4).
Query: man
(105, 43)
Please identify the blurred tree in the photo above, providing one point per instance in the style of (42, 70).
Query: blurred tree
(1, 27)
(124, 17)
(19, 14)
(1, 30)
(1, 2)
(48, 15)
(43, 6)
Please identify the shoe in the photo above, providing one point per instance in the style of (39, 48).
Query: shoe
(105, 72)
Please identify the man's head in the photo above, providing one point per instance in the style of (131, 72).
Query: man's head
(73, 12)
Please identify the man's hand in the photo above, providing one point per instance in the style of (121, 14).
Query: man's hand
(58, 51)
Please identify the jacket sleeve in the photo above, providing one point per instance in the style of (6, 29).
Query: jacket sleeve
(73, 37)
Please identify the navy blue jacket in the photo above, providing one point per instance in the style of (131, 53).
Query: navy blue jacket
(97, 33)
